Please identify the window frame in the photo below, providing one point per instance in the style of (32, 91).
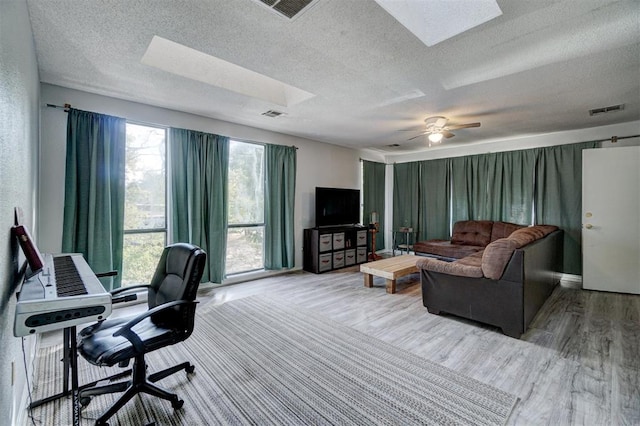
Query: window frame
(248, 225)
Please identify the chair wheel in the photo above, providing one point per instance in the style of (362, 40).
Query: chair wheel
(190, 369)
(177, 404)
(84, 401)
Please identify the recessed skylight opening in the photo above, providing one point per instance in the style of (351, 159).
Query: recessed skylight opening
(438, 20)
(190, 63)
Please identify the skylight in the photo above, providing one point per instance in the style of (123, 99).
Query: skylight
(433, 21)
(190, 63)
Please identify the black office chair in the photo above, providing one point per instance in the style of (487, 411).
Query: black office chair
(169, 320)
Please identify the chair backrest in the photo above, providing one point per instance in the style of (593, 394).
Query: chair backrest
(177, 277)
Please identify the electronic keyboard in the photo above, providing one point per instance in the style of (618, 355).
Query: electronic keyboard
(65, 293)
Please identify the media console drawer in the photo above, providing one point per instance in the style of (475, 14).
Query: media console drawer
(326, 242)
(325, 263)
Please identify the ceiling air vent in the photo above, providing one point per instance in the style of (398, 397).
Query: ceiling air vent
(613, 108)
(287, 8)
(272, 113)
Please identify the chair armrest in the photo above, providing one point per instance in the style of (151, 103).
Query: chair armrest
(106, 274)
(126, 329)
(129, 288)
(127, 297)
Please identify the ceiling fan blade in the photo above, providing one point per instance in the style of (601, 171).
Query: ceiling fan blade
(462, 126)
(421, 134)
(447, 134)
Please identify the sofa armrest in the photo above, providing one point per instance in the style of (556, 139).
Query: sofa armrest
(496, 256)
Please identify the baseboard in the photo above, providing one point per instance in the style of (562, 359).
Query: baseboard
(250, 276)
(571, 281)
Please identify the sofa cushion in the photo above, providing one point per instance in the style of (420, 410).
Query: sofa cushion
(496, 256)
(445, 249)
(503, 229)
(451, 268)
(472, 232)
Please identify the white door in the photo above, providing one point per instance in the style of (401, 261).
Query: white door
(611, 219)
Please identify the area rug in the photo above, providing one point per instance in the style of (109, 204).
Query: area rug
(261, 361)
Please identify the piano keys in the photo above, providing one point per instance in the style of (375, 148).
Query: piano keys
(65, 293)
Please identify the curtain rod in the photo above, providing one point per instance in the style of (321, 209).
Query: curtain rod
(614, 139)
(65, 107)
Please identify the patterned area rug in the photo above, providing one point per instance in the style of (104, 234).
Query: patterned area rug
(260, 361)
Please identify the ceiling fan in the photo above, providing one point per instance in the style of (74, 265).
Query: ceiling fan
(437, 128)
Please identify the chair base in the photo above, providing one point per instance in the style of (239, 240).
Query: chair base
(138, 383)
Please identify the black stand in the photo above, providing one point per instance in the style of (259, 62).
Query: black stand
(70, 375)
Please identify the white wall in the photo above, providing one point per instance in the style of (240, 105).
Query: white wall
(19, 89)
(318, 164)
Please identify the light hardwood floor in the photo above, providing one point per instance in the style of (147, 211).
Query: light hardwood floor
(578, 364)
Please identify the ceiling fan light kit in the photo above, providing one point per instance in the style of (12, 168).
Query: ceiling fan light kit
(437, 128)
(435, 137)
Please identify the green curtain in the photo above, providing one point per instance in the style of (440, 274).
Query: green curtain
(510, 186)
(93, 222)
(502, 186)
(279, 203)
(469, 183)
(496, 186)
(406, 196)
(198, 199)
(558, 198)
(373, 185)
(435, 197)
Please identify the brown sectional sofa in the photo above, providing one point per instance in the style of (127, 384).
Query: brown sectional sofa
(503, 284)
(468, 237)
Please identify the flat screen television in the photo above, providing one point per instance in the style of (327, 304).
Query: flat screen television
(337, 206)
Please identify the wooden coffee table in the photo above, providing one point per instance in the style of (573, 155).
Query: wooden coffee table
(391, 268)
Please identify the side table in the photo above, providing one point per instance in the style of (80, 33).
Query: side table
(403, 240)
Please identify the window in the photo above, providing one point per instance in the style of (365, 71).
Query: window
(245, 234)
(145, 223)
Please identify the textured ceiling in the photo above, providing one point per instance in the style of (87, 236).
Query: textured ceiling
(537, 68)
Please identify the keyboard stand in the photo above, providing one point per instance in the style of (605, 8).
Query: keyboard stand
(70, 361)
(70, 375)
